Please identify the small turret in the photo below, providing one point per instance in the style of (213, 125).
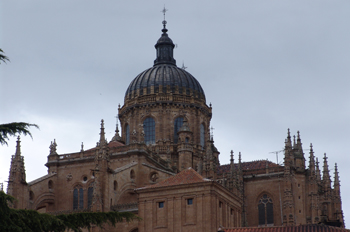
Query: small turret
(117, 137)
(17, 185)
(102, 163)
(299, 158)
(288, 141)
(312, 162)
(103, 140)
(287, 154)
(232, 164)
(336, 181)
(318, 172)
(185, 146)
(240, 163)
(325, 175)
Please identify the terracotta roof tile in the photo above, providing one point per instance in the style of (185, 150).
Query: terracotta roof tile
(252, 165)
(187, 176)
(303, 228)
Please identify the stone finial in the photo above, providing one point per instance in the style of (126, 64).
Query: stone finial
(312, 161)
(53, 147)
(116, 137)
(103, 140)
(294, 143)
(288, 140)
(326, 178)
(336, 176)
(82, 147)
(232, 160)
(18, 147)
(318, 173)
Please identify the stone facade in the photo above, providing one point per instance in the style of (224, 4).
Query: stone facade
(165, 125)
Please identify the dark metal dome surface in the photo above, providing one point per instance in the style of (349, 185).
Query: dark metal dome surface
(170, 78)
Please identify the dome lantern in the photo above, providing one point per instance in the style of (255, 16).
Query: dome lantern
(165, 48)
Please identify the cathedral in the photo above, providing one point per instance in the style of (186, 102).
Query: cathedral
(165, 168)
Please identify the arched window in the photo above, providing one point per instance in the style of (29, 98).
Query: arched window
(132, 174)
(202, 135)
(127, 134)
(90, 192)
(265, 208)
(78, 197)
(177, 125)
(149, 126)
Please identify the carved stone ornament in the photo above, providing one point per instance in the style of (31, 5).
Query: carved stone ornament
(154, 177)
(134, 136)
(69, 177)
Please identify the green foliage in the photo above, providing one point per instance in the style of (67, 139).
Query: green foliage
(20, 220)
(3, 58)
(11, 129)
(76, 221)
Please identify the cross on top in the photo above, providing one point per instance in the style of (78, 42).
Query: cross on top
(164, 11)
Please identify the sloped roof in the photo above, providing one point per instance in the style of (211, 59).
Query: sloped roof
(41, 178)
(187, 176)
(300, 228)
(111, 144)
(252, 165)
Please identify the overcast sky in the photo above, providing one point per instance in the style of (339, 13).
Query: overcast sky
(264, 65)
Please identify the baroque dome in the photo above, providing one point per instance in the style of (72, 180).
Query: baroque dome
(165, 76)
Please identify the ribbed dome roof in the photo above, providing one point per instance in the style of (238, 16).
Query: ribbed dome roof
(165, 74)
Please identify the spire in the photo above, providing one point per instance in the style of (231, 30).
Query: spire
(239, 162)
(294, 144)
(312, 161)
(164, 46)
(298, 138)
(318, 173)
(326, 178)
(117, 137)
(17, 173)
(18, 148)
(82, 147)
(288, 141)
(232, 164)
(231, 160)
(300, 145)
(102, 134)
(336, 179)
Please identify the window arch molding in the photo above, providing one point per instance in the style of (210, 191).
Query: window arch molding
(265, 207)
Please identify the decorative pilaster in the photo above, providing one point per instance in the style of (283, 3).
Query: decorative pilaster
(101, 178)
